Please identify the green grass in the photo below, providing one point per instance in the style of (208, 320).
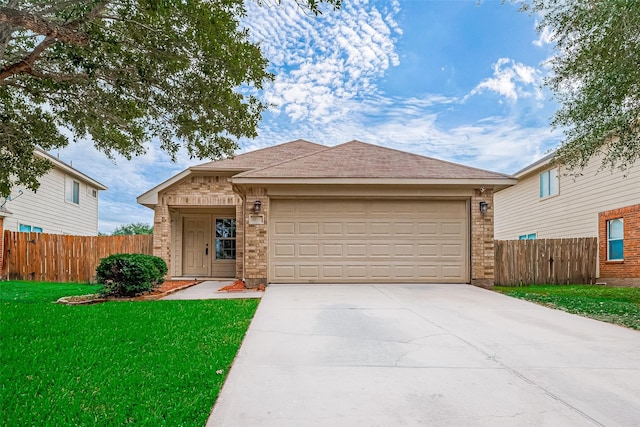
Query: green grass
(147, 363)
(613, 305)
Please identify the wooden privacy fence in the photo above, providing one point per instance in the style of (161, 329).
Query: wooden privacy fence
(62, 258)
(545, 261)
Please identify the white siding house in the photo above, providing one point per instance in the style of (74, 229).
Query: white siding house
(65, 203)
(547, 203)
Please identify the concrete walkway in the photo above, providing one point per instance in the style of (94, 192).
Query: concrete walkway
(433, 355)
(209, 290)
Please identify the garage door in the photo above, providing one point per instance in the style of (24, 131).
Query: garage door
(351, 241)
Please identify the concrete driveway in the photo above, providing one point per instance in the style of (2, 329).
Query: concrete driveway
(433, 355)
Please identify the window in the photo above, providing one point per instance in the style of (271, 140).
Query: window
(71, 191)
(28, 228)
(615, 240)
(225, 238)
(531, 236)
(92, 192)
(549, 183)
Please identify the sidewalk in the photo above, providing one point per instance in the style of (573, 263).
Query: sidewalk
(209, 290)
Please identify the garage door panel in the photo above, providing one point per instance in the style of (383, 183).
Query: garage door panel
(452, 228)
(452, 250)
(356, 250)
(380, 229)
(427, 229)
(332, 272)
(308, 250)
(368, 241)
(332, 250)
(283, 228)
(355, 229)
(284, 271)
(309, 272)
(404, 250)
(332, 228)
(428, 250)
(284, 250)
(356, 272)
(308, 228)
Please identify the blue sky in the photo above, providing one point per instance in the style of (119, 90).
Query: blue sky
(458, 80)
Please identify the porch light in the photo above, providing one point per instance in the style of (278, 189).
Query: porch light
(484, 206)
(257, 205)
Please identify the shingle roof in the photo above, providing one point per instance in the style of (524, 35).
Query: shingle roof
(265, 156)
(357, 159)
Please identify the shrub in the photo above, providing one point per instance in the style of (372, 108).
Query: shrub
(130, 274)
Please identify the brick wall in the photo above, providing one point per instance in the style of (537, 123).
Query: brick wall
(193, 192)
(257, 259)
(482, 226)
(626, 272)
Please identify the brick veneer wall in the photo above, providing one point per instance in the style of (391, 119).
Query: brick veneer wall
(193, 192)
(626, 272)
(257, 259)
(482, 226)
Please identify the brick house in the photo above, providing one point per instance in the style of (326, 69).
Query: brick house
(549, 203)
(301, 212)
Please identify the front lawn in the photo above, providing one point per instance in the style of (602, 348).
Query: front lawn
(148, 363)
(613, 305)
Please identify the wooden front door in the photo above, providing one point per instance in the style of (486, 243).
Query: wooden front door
(197, 245)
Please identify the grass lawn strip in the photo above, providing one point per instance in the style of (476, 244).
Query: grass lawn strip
(148, 363)
(614, 305)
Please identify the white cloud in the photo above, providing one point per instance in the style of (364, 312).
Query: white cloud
(321, 61)
(512, 80)
(545, 37)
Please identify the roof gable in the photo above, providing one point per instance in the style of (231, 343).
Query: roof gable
(356, 159)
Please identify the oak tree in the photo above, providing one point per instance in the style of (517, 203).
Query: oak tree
(123, 73)
(595, 76)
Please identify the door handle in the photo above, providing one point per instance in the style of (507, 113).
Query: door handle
(206, 251)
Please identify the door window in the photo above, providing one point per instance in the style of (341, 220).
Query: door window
(225, 238)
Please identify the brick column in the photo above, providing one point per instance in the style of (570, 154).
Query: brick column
(482, 255)
(256, 250)
(162, 235)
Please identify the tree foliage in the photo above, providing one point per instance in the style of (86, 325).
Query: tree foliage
(595, 77)
(133, 228)
(124, 72)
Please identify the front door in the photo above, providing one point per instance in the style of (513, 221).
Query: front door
(197, 253)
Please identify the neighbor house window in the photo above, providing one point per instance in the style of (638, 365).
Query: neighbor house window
(615, 239)
(72, 191)
(549, 183)
(531, 236)
(28, 228)
(225, 238)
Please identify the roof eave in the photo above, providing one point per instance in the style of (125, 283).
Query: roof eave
(150, 198)
(377, 181)
(537, 165)
(70, 169)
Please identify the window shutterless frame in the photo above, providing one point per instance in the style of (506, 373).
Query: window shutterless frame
(615, 239)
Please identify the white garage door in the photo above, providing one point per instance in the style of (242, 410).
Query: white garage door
(350, 241)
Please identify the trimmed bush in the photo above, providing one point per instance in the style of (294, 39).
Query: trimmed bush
(127, 275)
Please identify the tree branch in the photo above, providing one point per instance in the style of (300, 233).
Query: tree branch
(25, 64)
(29, 21)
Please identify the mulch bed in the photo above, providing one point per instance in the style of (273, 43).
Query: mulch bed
(167, 288)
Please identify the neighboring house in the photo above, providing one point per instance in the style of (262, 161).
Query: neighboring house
(300, 212)
(65, 203)
(549, 203)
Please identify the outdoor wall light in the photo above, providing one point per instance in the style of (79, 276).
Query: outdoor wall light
(484, 207)
(257, 205)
